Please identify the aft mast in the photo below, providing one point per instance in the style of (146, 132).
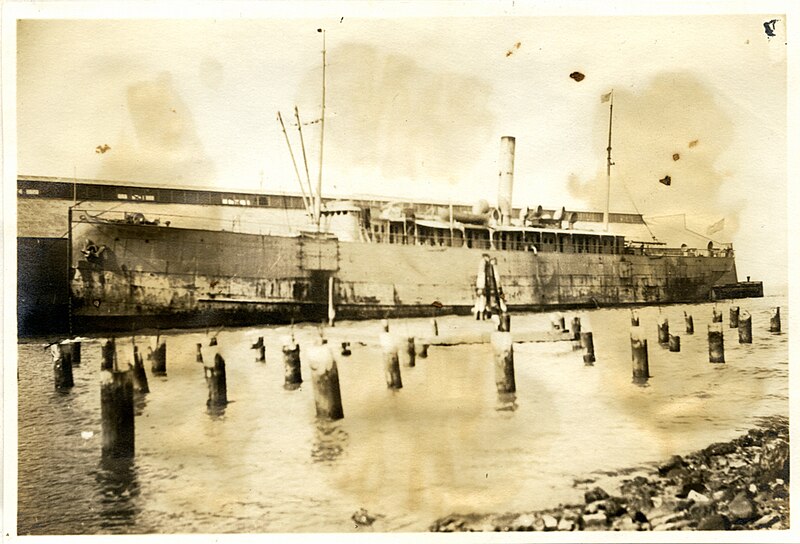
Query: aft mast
(609, 97)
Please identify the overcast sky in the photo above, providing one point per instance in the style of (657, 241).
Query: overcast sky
(416, 107)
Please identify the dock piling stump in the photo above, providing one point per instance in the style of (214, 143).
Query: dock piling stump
(733, 317)
(745, 328)
(422, 351)
(199, 357)
(634, 318)
(641, 366)
(325, 381)
(139, 375)
(434, 327)
(62, 365)
(674, 343)
(385, 325)
(291, 365)
(775, 320)
(108, 355)
(689, 323)
(716, 316)
(503, 349)
(346, 349)
(716, 343)
(587, 342)
(261, 355)
(217, 383)
(663, 331)
(116, 408)
(391, 361)
(576, 328)
(158, 359)
(75, 351)
(411, 353)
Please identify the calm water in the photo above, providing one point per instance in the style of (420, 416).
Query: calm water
(444, 443)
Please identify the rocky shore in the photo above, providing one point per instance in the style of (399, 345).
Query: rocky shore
(738, 485)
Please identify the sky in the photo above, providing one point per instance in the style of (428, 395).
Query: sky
(416, 106)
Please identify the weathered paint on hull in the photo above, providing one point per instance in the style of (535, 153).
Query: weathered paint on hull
(148, 276)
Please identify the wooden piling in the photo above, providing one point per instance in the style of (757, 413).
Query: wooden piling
(75, 352)
(634, 318)
(745, 328)
(346, 349)
(325, 380)
(505, 322)
(385, 325)
(108, 355)
(663, 331)
(503, 362)
(733, 317)
(217, 382)
(62, 365)
(410, 359)
(199, 357)
(716, 343)
(587, 343)
(158, 358)
(434, 327)
(422, 351)
(258, 344)
(139, 375)
(261, 355)
(576, 328)
(716, 316)
(641, 365)
(689, 323)
(291, 365)
(116, 410)
(391, 361)
(674, 343)
(775, 320)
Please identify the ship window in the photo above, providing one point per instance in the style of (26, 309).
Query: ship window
(32, 191)
(122, 196)
(149, 197)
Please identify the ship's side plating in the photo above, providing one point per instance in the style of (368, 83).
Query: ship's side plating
(136, 275)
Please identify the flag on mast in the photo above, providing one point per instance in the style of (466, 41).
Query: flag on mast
(606, 97)
(716, 227)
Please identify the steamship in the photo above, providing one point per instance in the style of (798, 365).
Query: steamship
(130, 268)
(354, 262)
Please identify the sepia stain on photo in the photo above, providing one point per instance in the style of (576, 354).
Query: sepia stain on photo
(339, 274)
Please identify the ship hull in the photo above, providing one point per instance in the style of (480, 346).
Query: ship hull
(141, 276)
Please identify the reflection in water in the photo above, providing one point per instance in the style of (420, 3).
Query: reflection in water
(216, 411)
(507, 402)
(330, 441)
(118, 487)
(139, 404)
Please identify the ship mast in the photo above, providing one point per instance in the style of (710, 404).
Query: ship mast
(318, 202)
(609, 162)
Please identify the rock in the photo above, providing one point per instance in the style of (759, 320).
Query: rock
(592, 508)
(719, 495)
(767, 521)
(550, 523)
(690, 486)
(657, 502)
(741, 508)
(624, 523)
(596, 494)
(363, 518)
(613, 506)
(566, 525)
(714, 522)
(523, 522)
(774, 462)
(676, 461)
(538, 524)
(596, 521)
(697, 497)
(720, 448)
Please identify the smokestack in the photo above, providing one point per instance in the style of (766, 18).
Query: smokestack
(506, 183)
